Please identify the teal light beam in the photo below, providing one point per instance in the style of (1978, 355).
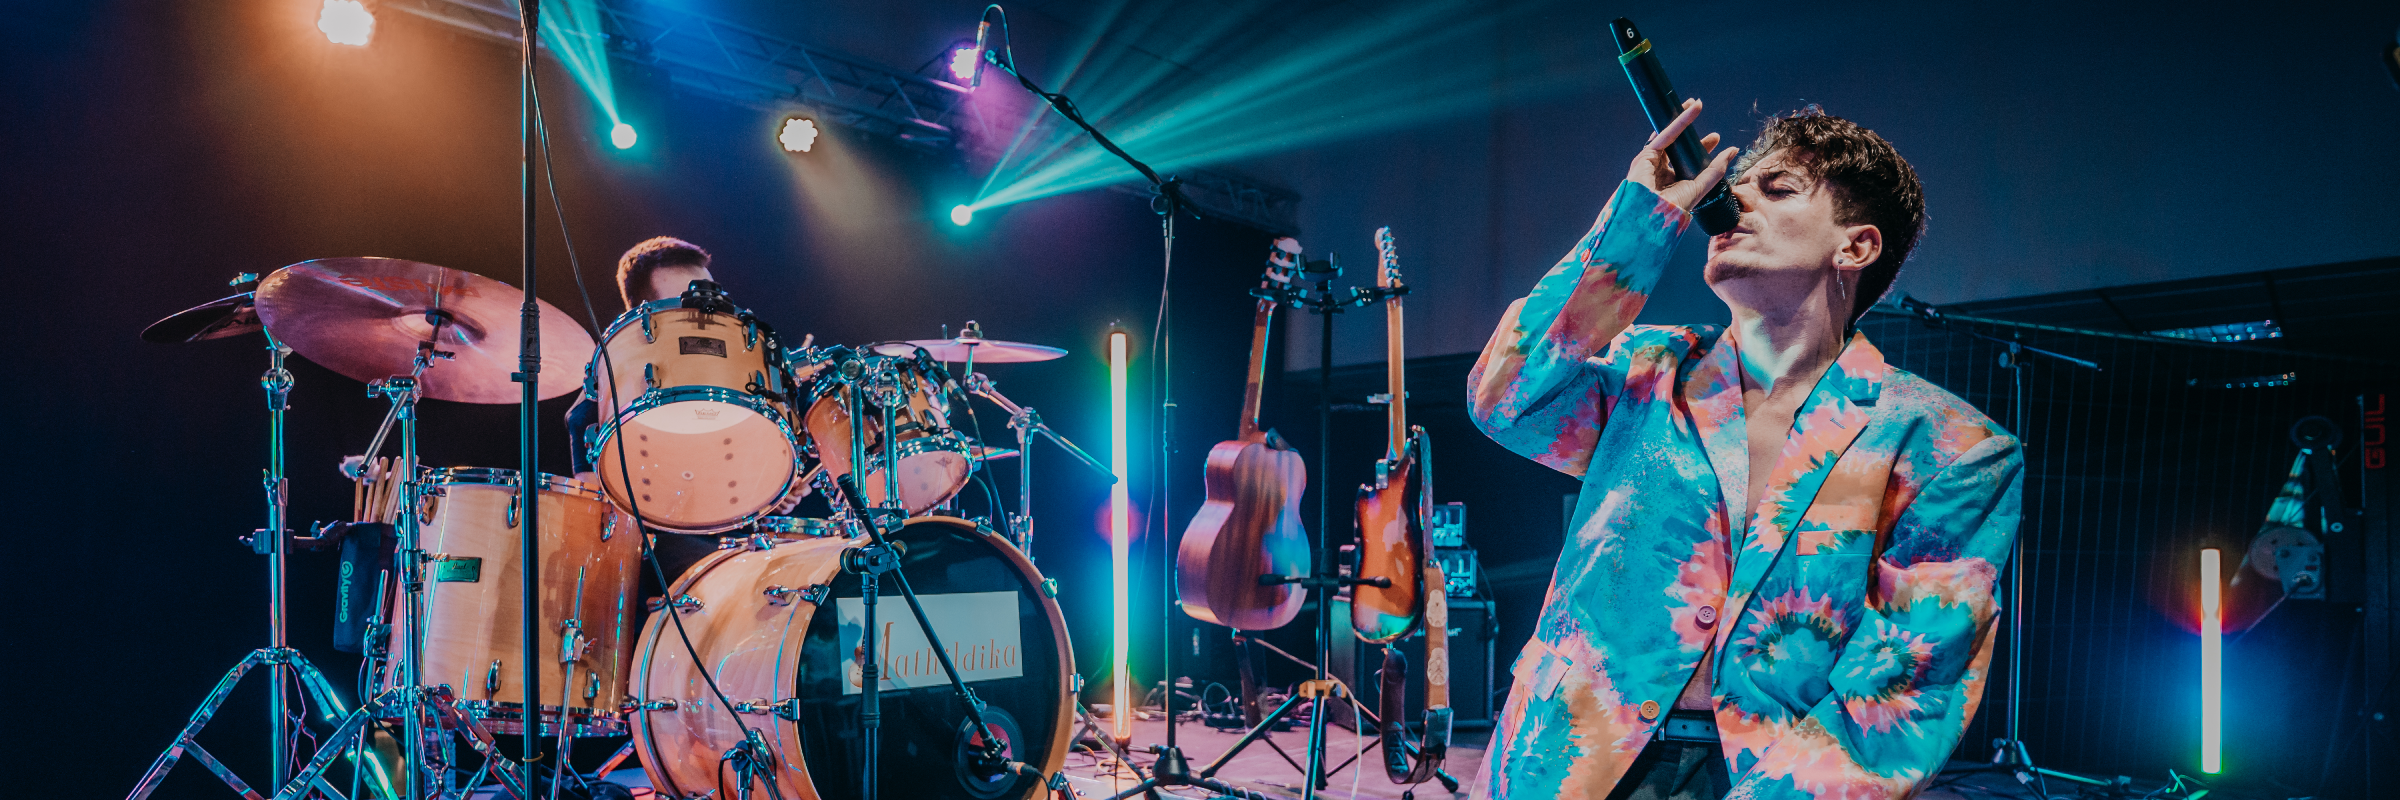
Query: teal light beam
(1402, 66)
(572, 30)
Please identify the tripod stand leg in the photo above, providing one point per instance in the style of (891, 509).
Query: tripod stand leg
(200, 717)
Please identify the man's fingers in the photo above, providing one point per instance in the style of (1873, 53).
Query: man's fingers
(1691, 110)
(1708, 143)
(1717, 167)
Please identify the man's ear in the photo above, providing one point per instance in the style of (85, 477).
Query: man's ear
(1864, 243)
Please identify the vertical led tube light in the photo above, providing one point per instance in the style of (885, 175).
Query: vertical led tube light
(1120, 533)
(2212, 662)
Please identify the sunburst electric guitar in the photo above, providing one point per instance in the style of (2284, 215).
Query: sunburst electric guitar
(1395, 546)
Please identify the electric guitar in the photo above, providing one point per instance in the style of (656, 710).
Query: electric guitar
(1395, 549)
(1250, 524)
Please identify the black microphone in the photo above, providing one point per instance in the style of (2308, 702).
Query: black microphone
(1717, 212)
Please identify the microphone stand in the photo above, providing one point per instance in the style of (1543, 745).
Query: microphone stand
(877, 557)
(528, 376)
(1171, 768)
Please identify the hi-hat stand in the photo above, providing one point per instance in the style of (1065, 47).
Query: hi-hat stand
(281, 660)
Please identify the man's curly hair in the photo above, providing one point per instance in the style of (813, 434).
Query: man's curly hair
(654, 253)
(1871, 183)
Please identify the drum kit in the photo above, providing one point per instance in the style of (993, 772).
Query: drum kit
(764, 670)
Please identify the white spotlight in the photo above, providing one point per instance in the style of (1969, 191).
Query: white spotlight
(622, 136)
(962, 214)
(799, 135)
(346, 22)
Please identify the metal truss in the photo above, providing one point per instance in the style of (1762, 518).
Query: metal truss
(747, 67)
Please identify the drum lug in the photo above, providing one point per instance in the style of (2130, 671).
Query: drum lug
(813, 594)
(1050, 587)
(760, 707)
(491, 678)
(685, 603)
(758, 383)
(650, 375)
(1074, 683)
(591, 688)
(789, 709)
(609, 528)
(632, 706)
(648, 336)
(749, 334)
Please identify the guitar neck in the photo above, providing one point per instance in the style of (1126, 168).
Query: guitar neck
(1396, 372)
(1257, 379)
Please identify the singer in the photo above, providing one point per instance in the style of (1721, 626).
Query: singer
(1778, 580)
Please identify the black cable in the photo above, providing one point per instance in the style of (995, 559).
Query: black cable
(608, 365)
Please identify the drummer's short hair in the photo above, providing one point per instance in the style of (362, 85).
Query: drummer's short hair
(633, 270)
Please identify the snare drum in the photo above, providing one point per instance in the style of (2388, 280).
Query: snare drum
(779, 629)
(697, 405)
(933, 458)
(474, 600)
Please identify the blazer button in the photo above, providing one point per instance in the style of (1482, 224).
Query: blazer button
(1707, 616)
(1649, 710)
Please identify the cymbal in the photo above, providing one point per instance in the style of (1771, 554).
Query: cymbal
(978, 452)
(215, 319)
(986, 351)
(363, 318)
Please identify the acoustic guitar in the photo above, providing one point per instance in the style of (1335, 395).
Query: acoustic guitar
(1250, 524)
(1394, 545)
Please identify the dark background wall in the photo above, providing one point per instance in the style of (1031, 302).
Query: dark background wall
(154, 150)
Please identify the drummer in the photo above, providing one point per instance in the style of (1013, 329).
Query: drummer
(658, 268)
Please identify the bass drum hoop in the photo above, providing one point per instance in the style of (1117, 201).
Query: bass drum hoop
(786, 733)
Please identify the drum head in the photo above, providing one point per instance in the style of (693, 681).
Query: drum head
(1000, 631)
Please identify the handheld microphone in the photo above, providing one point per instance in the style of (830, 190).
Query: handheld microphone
(1717, 212)
(983, 31)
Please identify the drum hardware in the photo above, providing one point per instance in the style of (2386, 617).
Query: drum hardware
(1028, 424)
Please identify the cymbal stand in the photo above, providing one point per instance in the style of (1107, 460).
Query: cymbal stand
(870, 561)
(282, 661)
(1028, 424)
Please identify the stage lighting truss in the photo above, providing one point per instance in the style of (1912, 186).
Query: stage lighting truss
(748, 67)
(346, 22)
(797, 134)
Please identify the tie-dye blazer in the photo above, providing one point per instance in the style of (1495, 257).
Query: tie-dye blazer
(1853, 617)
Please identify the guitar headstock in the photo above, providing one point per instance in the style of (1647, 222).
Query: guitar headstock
(1283, 260)
(1387, 258)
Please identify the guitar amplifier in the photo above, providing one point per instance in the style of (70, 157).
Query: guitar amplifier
(1472, 668)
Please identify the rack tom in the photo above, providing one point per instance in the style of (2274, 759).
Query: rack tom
(696, 435)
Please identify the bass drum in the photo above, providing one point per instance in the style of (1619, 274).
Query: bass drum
(781, 627)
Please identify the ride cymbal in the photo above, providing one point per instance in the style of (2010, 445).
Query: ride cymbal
(984, 351)
(364, 317)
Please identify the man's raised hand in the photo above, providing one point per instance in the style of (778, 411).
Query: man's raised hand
(1651, 169)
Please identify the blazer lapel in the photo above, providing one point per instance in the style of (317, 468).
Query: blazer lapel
(1827, 423)
(1713, 392)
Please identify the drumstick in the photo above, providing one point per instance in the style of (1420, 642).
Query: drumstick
(358, 496)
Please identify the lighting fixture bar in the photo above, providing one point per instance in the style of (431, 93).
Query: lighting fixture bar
(2212, 663)
(1120, 532)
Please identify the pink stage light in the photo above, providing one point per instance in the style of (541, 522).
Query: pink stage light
(346, 22)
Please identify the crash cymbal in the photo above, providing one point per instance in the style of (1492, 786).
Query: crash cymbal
(986, 351)
(363, 318)
(215, 319)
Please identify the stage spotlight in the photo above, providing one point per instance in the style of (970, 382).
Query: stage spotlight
(622, 136)
(346, 22)
(962, 63)
(961, 215)
(799, 135)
